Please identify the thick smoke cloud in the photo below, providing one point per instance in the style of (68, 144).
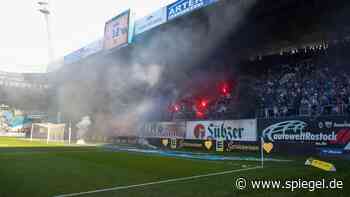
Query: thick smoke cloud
(83, 127)
(120, 91)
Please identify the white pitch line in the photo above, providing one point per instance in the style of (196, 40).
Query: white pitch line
(156, 182)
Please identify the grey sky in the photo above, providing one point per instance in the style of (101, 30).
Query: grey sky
(75, 23)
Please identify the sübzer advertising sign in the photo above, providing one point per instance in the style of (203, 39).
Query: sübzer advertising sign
(230, 130)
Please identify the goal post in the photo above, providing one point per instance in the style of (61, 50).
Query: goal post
(48, 132)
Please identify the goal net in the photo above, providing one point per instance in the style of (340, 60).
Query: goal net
(48, 131)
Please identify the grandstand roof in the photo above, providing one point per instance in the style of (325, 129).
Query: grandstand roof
(266, 27)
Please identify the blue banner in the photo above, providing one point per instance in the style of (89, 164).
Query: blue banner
(326, 135)
(84, 52)
(182, 7)
(331, 151)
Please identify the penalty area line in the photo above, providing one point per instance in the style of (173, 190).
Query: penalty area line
(157, 182)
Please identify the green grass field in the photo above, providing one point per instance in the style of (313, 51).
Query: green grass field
(35, 169)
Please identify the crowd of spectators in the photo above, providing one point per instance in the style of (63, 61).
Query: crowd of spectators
(210, 106)
(300, 86)
(304, 89)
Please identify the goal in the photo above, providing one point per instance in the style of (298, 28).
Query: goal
(48, 131)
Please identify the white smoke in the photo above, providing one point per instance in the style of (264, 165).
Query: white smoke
(83, 127)
(117, 90)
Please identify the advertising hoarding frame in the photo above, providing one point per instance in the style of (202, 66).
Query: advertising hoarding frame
(151, 21)
(244, 130)
(163, 130)
(127, 14)
(182, 7)
(307, 134)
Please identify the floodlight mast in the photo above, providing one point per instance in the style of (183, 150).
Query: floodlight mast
(44, 9)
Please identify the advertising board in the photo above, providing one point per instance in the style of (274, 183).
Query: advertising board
(311, 133)
(84, 52)
(151, 21)
(230, 130)
(12, 134)
(164, 130)
(182, 7)
(117, 31)
(241, 147)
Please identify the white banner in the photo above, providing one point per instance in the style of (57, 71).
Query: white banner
(232, 130)
(148, 22)
(12, 134)
(164, 130)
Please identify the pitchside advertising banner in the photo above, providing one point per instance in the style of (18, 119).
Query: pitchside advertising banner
(182, 7)
(164, 130)
(228, 130)
(84, 52)
(148, 22)
(117, 31)
(12, 134)
(205, 145)
(326, 134)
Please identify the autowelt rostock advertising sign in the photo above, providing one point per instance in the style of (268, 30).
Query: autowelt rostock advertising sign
(230, 130)
(321, 131)
(182, 7)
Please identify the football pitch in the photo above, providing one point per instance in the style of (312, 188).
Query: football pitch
(36, 169)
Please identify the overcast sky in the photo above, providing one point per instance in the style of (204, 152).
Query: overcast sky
(74, 23)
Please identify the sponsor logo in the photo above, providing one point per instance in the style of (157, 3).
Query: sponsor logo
(199, 131)
(191, 145)
(227, 130)
(116, 31)
(163, 130)
(231, 146)
(149, 22)
(218, 131)
(165, 142)
(186, 144)
(208, 144)
(342, 125)
(331, 151)
(268, 147)
(331, 125)
(222, 131)
(295, 130)
(183, 6)
(343, 137)
(326, 124)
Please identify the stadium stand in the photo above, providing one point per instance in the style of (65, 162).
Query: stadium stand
(23, 98)
(304, 82)
(31, 86)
